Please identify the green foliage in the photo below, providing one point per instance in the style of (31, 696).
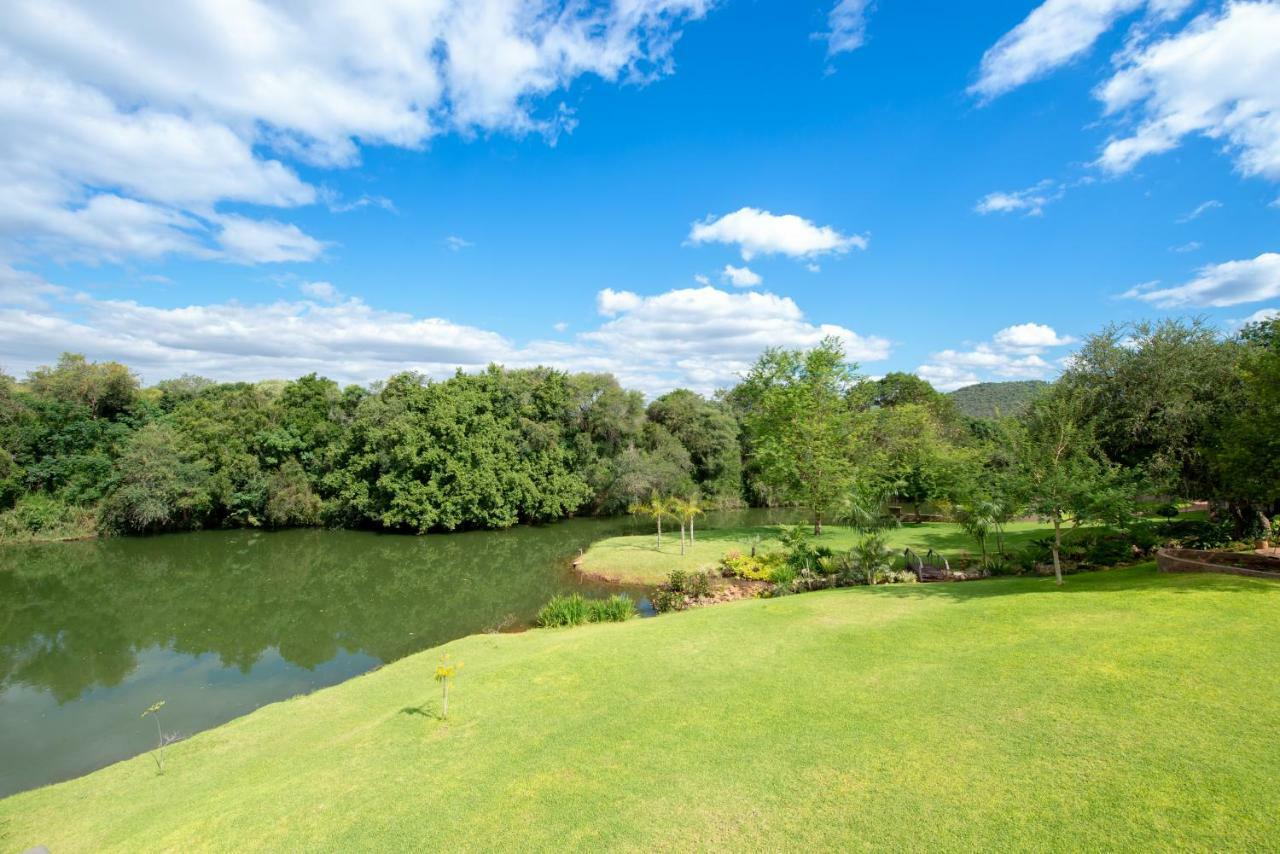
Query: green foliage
(698, 585)
(562, 611)
(665, 600)
(708, 431)
(996, 400)
(870, 559)
(159, 485)
(616, 609)
(291, 502)
(39, 516)
(757, 567)
(800, 422)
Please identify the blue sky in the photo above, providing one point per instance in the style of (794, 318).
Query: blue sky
(658, 188)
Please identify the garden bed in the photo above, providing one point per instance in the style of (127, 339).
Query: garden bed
(1233, 563)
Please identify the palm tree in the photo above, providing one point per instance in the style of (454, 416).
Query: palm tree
(656, 508)
(691, 508)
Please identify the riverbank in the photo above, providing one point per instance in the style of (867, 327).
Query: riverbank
(1119, 712)
(636, 559)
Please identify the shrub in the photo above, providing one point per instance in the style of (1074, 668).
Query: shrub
(1168, 510)
(755, 568)
(1198, 533)
(698, 585)
(568, 610)
(616, 609)
(676, 580)
(665, 600)
(39, 516)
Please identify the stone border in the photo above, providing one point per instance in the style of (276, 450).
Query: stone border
(1191, 560)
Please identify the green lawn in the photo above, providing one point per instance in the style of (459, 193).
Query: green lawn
(636, 559)
(1127, 710)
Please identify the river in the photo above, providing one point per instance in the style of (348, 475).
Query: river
(218, 623)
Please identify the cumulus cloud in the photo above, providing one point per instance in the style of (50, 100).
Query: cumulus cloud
(1217, 285)
(456, 243)
(164, 112)
(756, 232)
(1015, 352)
(1216, 78)
(701, 338)
(1030, 201)
(846, 26)
(1055, 33)
(1262, 315)
(741, 277)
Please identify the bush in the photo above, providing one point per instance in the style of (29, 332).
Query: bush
(39, 516)
(1198, 533)
(665, 600)
(1168, 510)
(568, 610)
(698, 585)
(757, 568)
(676, 580)
(616, 609)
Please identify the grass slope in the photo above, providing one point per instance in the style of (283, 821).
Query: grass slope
(1128, 710)
(635, 559)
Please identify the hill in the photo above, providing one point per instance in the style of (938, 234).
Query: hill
(1125, 711)
(984, 400)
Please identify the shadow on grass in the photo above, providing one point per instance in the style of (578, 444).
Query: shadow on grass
(1143, 576)
(424, 710)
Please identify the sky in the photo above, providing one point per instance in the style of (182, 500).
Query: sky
(655, 188)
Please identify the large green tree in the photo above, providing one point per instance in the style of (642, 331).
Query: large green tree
(800, 419)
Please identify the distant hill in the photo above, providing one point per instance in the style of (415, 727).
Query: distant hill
(984, 400)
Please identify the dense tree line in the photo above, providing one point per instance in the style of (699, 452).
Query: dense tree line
(1173, 409)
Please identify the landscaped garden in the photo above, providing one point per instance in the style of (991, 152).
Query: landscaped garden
(1126, 710)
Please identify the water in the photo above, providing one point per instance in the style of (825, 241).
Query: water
(219, 623)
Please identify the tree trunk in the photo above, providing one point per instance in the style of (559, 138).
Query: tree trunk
(817, 524)
(1057, 545)
(682, 538)
(690, 530)
(659, 533)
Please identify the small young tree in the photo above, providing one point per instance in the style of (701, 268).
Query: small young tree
(445, 674)
(1062, 471)
(656, 508)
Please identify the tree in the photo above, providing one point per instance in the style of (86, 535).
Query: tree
(104, 388)
(657, 509)
(686, 510)
(1244, 449)
(1063, 472)
(800, 421)
(160, 486)
(708, 430)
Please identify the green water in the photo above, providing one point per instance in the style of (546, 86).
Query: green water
(218, 623)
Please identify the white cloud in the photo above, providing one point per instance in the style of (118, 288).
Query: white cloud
(611, 303)
(1216, 78)
(323, 291)
(1199, 209)
(846, 26)
(1015, 352)
(1262, 315)
(757, 232)
(1217, 285)
(813, 268)
(741, 277)
(252, 241)
(701, 279)
(1189, 246)
(457, 243)
(561, 326)
(705, 338)
(1055, 33)
(1031, 336)
(698, 337)
(1030, 201)
(168, 111)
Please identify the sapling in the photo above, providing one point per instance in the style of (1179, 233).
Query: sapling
(158, 753)
(445, 674)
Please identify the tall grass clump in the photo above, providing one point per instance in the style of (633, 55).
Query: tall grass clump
(571, 610)
(616, 609)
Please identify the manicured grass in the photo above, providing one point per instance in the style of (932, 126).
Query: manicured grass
(1128, 710)
(635, 559)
